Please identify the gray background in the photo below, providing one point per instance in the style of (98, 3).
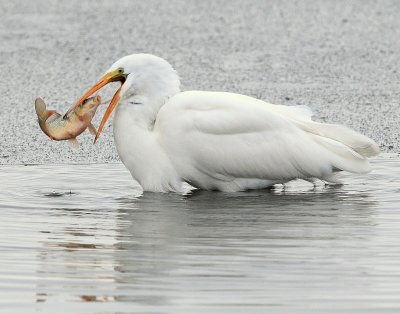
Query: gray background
(339, 57)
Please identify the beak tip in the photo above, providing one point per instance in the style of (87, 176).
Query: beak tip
(96, 137)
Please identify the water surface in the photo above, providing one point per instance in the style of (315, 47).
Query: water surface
(81, 239)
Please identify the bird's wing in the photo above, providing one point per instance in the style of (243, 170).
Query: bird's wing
(235, 136)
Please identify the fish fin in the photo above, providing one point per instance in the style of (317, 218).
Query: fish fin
(42, 113)
(40, 108)
(92, 129)
(73, 143)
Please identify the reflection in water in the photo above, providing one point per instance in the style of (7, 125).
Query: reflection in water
(238, 248)
(98, 247)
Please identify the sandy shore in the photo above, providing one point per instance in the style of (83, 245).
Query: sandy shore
(339, 57)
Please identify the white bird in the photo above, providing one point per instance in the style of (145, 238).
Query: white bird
(217, 140)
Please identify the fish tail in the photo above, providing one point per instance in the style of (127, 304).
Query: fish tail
(40, 108)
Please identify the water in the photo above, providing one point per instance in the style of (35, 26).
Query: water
(79, 239)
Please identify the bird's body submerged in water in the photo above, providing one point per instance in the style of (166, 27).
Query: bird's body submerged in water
(215, 140)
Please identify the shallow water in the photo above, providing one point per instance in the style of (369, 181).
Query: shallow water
(77, 238)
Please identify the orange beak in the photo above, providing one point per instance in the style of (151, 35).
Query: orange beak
(114, 76)
(113, 103)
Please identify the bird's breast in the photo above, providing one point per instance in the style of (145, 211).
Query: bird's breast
(141, 153)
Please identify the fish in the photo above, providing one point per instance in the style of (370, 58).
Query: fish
(67, 127)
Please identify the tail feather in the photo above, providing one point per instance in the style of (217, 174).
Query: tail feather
(343, 157)
(301, 116)
(359, 143)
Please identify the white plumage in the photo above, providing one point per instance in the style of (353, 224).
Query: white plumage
(222, 141)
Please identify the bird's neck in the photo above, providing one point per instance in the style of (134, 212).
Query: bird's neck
(142, 109)
(138, 146)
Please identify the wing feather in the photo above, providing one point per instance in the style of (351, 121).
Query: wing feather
(230, 136)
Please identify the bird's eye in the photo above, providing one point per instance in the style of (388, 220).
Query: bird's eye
(120, 71)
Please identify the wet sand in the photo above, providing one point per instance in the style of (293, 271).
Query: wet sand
(341, 58)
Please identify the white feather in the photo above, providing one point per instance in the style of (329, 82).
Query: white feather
(213, 139)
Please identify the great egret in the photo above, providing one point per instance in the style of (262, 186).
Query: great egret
(217, 140)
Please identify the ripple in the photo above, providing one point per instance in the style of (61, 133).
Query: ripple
(80, 235)
(59, 194)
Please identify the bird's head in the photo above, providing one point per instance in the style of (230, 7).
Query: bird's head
(140, 75)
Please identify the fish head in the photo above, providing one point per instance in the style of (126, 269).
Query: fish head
(88, 106)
